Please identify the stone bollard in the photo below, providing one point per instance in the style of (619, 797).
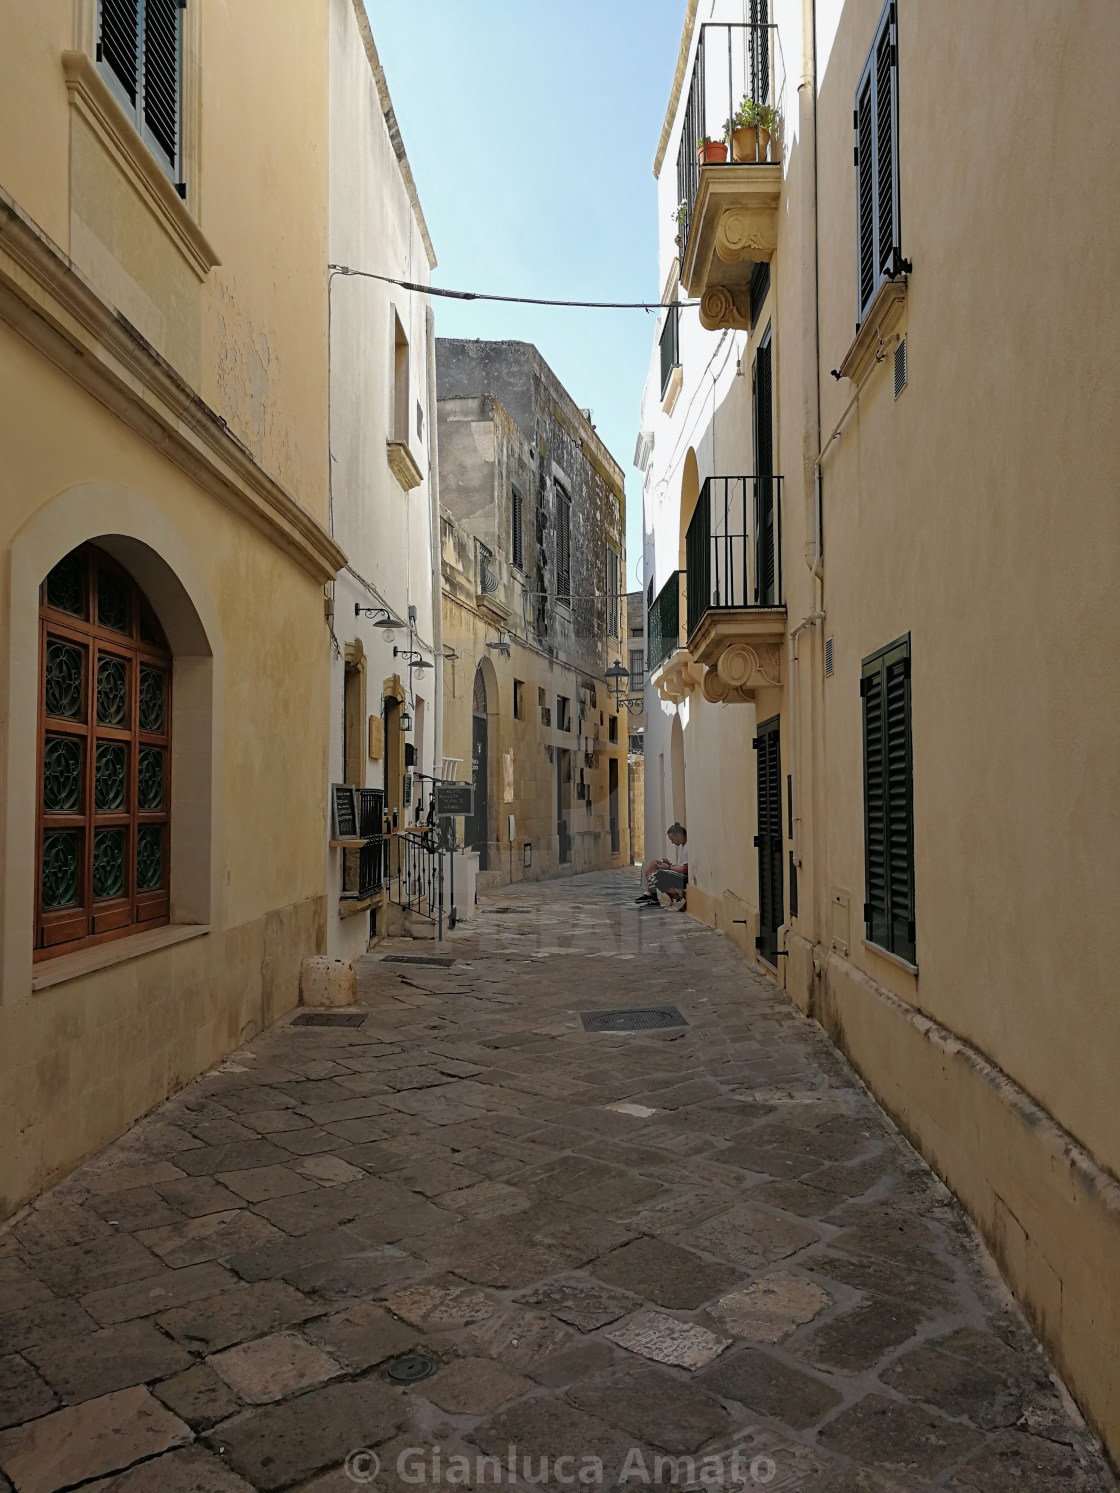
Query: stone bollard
(327, 982)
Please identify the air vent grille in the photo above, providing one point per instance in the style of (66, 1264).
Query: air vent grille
(900, 367)
(828, 658)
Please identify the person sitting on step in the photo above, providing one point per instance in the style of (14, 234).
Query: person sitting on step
(669, 877)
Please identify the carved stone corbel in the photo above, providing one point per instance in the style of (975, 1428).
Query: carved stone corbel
(737, 665)
(746, 232)
(722, 307)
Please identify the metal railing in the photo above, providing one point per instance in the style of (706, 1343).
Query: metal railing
(731, 117)
(363, 869)
(670, 345)
(416, 881)
(665, 622)
(733, 548)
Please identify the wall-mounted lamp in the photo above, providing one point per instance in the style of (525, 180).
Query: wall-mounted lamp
(450, 656)
(382, 618)
(502, 645)
(406, 721)
(417, 663)
(614, 676)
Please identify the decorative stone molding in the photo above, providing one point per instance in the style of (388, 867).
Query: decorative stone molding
(93, 99)
(721, 306)
(746, 233)
(743, 646)
(50, 304)
(403, 465)
(737, 664)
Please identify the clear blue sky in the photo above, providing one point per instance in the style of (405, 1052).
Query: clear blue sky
(531, 131)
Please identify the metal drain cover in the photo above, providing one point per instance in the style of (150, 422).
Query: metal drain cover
(442, 961)
(411, 1368)
(632, 1019)
(329, 1018)
(498, 912)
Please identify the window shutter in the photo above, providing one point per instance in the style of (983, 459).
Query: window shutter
(161, 73)
(899, 808)
(886, 145)
(563, 546)
(889, 801)
(865, 203)
(874, 806)
(119, 47)
(517, 529)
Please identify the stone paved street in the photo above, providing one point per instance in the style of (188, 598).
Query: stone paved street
(704, 1241)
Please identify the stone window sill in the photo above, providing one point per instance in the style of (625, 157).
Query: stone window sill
(881, 316)
(403, 465)
(891, 958)
(103, 956)
(93, 99)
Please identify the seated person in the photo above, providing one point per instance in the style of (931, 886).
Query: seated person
(668, 876)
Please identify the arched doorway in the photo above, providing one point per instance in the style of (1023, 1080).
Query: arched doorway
(477, 828)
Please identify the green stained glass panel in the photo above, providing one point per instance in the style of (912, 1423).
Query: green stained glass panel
(66, 585)
(112, 691)
(109, 776)
(112, 601)
(62, 775)
(60, 869)
(108, 863)
(149, 791)
(149, 857)
(151, 699)
(63, 683)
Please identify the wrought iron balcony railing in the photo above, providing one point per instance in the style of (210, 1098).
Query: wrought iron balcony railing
(665, 622)
(363, 869)
(731, 117)
(733, 547)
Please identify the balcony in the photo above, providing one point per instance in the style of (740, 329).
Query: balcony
(493, 585)
(672, 375)
(729, 171)
(671, 669)
(736, 616)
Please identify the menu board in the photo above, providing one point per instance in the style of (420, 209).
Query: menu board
(344, 811)
(454, 799)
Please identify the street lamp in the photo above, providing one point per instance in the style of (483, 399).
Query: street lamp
(382, 617)
(614, 676)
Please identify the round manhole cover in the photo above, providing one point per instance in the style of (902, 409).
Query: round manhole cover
(411, 1368)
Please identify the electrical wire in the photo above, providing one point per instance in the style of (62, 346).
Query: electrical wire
(519, 300)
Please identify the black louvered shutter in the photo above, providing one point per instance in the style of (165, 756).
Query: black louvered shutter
(865, 203)
(765, 557)
(517, 530)
(162, 51)
(119, 44)
(886, 146)
(888, 794)
(563, 547)
(769, 842)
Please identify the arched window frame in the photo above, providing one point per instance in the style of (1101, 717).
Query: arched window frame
(129, 728)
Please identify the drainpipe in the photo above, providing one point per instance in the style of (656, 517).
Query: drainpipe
(436, 544)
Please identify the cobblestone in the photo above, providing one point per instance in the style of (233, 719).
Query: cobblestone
(694, 1242)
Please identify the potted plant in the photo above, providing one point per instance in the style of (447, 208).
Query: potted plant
(750, 130)
(711, 152)
(680, 218)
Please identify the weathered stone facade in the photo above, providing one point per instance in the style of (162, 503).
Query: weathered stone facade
(532, 532)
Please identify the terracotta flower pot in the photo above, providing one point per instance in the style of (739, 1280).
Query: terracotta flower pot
(744, 141)
(712, 154)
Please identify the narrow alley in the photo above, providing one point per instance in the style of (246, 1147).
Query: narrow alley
(470, 1229)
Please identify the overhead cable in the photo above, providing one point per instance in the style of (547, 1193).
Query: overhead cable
(519, 300)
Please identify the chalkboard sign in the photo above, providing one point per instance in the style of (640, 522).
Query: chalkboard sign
(454, 798)
(344, 811)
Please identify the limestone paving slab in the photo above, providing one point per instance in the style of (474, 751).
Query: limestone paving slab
(88, 1440)
(482, 1182)
(665, 1339)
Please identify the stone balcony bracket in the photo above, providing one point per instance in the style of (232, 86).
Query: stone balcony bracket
(403, 464)
(734, 225)
(677, 677)
(740, 651)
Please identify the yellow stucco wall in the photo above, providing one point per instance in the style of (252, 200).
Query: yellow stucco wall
(125, 439)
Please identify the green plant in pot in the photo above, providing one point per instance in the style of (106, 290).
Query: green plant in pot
(711, 152)
(751, 129)
(680, 218)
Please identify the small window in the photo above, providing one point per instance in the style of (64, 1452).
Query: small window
(875, 118)
(670, 345)
(140, 56)
(888, 807)
(612, 729)
(563, 545)
(637, 669)
(400, 383)
(516, 529)
(104, 780)
(563, 713)
(518, 700)
(419, 422)
(614, 599)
